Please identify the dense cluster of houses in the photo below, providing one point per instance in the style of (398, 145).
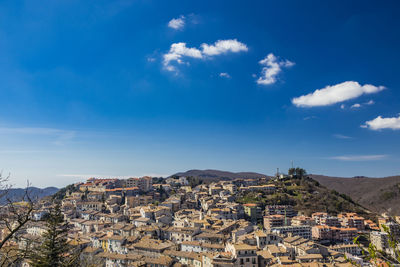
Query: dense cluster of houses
(126, 222)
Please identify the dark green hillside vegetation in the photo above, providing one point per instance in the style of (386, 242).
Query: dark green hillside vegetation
(64, 191)
(306, 195)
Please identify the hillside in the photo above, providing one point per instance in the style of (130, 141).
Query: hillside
(307, 196)
(16, 194)
(213, 175)
(376, 194)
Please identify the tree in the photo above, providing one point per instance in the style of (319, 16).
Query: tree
(380, 258)
(54, 250)
(298, 173)
(15, 214)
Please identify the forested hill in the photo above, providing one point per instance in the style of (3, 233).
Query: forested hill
(15, 194)
(306, 195)
(377, 194)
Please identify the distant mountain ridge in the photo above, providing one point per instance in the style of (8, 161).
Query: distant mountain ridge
(376, 194)
(214, 175)
(15, 194)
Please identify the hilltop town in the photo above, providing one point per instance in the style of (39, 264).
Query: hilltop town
(181, 221)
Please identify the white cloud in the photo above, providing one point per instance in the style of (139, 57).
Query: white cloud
(179, 50)
(342, 106)
(272, 67)
(341, 136)
(223, 46)
(333, 94)
(356, 105)
(224, 75)
(371, 102)
(380, 123)
(178, 23)
(176, 52)
(359, 157)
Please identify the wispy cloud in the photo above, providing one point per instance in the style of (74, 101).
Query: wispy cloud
(359, 157)
(380, 123)
(177, 23)
(27, 151)
(103, 176)
(356, 106)
(60, 136)
(178, 51)
(87, 176)
(224, 75)
(309, 118)
(333, 94)
(272, 66)
(341, 136)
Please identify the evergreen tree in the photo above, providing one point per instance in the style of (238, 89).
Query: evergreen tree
(54, 250)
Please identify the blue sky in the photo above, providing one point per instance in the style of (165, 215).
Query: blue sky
(130, 88)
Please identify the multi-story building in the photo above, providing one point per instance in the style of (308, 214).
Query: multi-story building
(99, 185)
(325, 232)
(330, 221)
(135, 201)
(302, 220)
(144, 183)
(245, 255)
(379, 240)
(352, 220)
(318, 215)
(286, 210)
(272, 221)
(322, 232)
(303, 231)
(253, 213)
(394, 229)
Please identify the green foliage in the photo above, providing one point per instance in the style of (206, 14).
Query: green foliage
(194, 181)
(377, 257)
(248, 198)
(54, 250)
(305, 194)
(297, 173)
(63, 191)
(158, 180)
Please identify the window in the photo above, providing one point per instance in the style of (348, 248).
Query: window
(247, 259)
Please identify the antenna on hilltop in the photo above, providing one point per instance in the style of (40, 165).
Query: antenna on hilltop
(292, 164)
